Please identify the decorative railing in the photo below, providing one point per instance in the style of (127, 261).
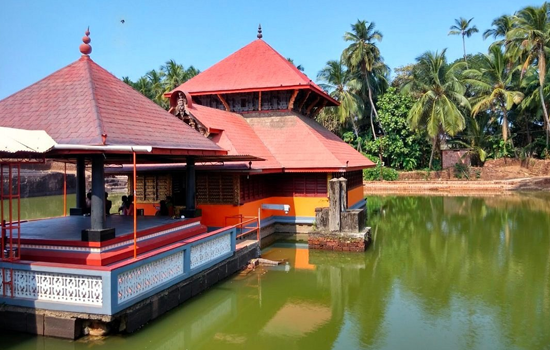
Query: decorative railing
(247, 226)
(53, 286)
(107, 290)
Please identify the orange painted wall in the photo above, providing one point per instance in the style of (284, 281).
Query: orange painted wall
(214, 215)
(355, 195)
(148, 208)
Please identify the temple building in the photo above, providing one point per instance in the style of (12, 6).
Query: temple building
(256, 102)
(238, 155)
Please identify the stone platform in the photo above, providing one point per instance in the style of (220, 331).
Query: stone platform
(342, 242)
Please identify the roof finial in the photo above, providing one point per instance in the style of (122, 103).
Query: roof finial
(85, 47)
(259, 31)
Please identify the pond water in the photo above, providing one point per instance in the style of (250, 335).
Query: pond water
(442, 273)
(49, 206)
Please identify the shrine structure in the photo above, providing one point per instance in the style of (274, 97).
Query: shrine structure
(258, 103)
(239, 155)
(71, 275)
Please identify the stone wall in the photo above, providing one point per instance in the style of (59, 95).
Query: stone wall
(349, 242)
(351, 220)
(37, 184)
(450, 157)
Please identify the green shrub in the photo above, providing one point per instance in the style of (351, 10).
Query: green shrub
(373, 174)
(462, 170)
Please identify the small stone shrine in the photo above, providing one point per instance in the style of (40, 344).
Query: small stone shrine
(340, 228)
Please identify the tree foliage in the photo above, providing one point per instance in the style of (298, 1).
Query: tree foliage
(402, 148)
(155, 83)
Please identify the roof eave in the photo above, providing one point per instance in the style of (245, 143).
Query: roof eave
(267, 88)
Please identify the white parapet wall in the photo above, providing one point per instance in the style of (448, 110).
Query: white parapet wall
(110, 289)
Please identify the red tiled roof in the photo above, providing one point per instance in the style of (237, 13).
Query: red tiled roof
(82, 101)
(255, 67)
(298, 142)
(285, 139)
(236, 136)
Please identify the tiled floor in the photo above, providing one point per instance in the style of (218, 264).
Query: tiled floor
(70, 227)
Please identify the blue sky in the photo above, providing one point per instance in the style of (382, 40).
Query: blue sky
(39, 37)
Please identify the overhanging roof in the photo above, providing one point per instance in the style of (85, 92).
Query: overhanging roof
(255, 67)
(28, 141)
(83, 104)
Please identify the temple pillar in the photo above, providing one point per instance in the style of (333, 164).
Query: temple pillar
(343, 194)
(334, 205)
(190, 188)
(98, 232)
(80, 186)
(98, 193)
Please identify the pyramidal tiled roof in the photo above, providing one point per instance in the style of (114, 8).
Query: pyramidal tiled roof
(286, 140)
(82, 101)
(300, 143)
(255, 67)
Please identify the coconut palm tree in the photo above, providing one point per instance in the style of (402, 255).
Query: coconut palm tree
(362, 55)
(143, 85)
(462, 27)
(492, 83)
(128, 81)
(531, 33)
(157, 87)
(299, 66)
(439, 97)
(502, 25)
(378, 83)
(341, 85)
(173, 75)
(191, 72)
(477, 137)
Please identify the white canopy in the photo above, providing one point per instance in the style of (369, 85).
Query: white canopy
(19, 140)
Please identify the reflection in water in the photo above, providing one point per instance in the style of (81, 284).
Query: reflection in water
(443, 273)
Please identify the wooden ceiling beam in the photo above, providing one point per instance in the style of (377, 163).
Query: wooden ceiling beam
(292, 99)
(313, 105)
(304, 101)
(316, 112)
(224, 102)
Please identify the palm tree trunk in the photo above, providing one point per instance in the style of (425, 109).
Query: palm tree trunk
(356, 131)
(504, 124)
(372, 125)
(464, 49)
(545, 112)
(370, 98)
(432, 155)
(542, 75)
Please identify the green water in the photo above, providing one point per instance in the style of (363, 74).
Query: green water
(40, 207)
(50, 206)
(442, 273)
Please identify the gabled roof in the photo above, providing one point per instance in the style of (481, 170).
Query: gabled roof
(255, 67)
(82, 101)
(286, 140)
